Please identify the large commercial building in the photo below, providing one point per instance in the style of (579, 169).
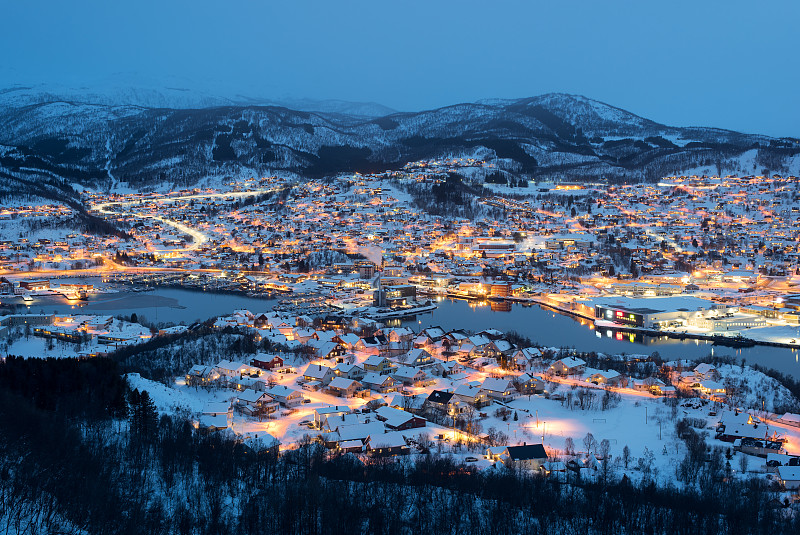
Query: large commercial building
(659, 312)
(394, 296)
(494, 248)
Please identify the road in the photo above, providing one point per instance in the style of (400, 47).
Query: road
(198, 238)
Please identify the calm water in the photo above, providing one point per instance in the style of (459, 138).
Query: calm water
(545, 327)
(163, 305)
(549, 328)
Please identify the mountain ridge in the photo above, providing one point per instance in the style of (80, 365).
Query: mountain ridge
(550, 136)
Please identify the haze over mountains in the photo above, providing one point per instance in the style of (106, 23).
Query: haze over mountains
(174, 136)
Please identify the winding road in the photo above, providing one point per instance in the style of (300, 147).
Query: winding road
(198, 238)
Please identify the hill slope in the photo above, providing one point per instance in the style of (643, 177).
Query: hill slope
(549, 136)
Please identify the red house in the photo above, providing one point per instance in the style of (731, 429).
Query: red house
(267, 362)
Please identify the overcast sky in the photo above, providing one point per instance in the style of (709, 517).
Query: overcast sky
(727, 63)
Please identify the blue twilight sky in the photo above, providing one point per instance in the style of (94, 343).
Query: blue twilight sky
(726, 63)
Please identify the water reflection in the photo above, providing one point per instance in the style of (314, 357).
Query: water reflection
(542, 326)
(162, 305)
(547, 328)
(500, 306)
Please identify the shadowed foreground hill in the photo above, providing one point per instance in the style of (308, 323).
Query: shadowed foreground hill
(71, 462)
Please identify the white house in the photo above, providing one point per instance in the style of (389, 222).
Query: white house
(286, 396)
(499, 389)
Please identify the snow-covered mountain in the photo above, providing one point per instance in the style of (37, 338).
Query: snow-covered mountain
(143, 141)
(176, 97)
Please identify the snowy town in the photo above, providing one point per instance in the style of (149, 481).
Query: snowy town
(313, 268)
(719, 252)
(358, 387)
(344, 264)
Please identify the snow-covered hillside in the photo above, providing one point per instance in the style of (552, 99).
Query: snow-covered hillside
(141, 138)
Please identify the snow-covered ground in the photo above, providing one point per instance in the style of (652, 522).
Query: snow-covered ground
(23, 342)
(643, 423)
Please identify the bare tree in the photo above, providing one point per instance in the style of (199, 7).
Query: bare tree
(626, 455)
(605, 447)
(744, 461)
(590, 442)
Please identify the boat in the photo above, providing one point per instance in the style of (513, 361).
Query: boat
(732, 341)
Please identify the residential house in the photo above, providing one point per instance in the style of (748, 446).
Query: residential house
(647, 384)
(733, 426)
(411, 376)
(525, 457)
(416, 358)
(446, 368)
(440, 401)
(706, 372)
(422, 341)
(414, 404)
(304, 336)
(789, 477)
(262, 321)
(568, 366)
(759, 448)
(710, 388)
(492, 334)
(208, 423)
(399, 420)
(528, 384)
(267, 362)
(287, 397)
(471, 394)
(499, 389)
(380, 383)
(501, 349)
(322, 413)
(481, 346)
(790, 419)
(455, 339)
(343, 387)
(377, 364)
(333, 421)
(327, 350)
(401, 337)
(349, 340)
(608, 378)
(217, 408)
(254, 403)
(350, 371)
(200, 375)
(525, 358)
(665, 390)
(317, 375)
(434, 333)
(388, 445)
(373, 345)
(230, 369)
(363, 432)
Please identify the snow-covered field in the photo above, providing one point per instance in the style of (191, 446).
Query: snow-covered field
(643, 423)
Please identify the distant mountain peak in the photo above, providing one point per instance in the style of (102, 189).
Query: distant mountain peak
(173, 97)
(179, 136)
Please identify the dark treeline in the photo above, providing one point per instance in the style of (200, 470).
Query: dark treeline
(164, 357)
(69, 469)
(88, 388)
